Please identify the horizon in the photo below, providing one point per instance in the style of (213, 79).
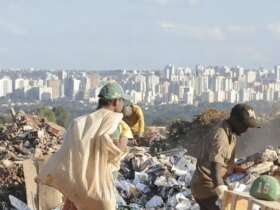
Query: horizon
(255, 68)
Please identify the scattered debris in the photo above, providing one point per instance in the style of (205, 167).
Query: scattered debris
(161, 181)
(152, 177)
(27, 137)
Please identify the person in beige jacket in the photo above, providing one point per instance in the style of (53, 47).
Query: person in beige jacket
(83, 167)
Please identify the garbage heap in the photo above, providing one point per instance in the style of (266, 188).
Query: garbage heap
(266, 162)
(27, 137)
(163, 181)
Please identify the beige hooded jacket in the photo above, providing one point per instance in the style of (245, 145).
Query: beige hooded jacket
(82, 168)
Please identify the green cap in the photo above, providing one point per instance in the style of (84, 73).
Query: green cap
(111, 90)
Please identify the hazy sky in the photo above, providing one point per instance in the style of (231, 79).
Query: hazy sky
(114, 34)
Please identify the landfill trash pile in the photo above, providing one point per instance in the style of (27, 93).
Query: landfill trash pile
(163, 181)
(250, 168)
(154, 177)
(27, 137)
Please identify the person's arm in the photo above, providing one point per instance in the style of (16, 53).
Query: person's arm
(216, 171)
(218, 151)
(125, 135)
(122, 144)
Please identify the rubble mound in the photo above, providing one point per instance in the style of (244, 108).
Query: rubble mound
(210, 117)
(27, 137)
(188, 134)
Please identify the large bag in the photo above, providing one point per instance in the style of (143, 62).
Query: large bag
(82, 168)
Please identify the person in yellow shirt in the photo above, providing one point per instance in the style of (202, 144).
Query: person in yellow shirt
(121, 135)
(134, 117)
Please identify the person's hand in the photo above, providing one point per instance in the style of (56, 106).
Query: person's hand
(132, 142)
(238, 169)
(140, 136)
(220, 190)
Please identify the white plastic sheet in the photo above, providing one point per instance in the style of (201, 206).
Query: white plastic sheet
(155, 202)
(18, 204)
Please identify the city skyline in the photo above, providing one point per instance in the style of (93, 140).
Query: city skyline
(172, 85)
(140, 34)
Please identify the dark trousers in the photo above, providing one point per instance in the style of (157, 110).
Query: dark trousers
(208, 203)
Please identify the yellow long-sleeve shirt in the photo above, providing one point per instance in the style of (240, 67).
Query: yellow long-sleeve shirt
(136, 121)
(123, 130)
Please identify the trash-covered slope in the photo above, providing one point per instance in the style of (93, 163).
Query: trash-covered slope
(162, 181)
(148, 177)
(28, 136)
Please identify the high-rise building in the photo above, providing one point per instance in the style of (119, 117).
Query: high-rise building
(84, 89)
(219, 83)
(6, 86)
(169, 70)
(140, 83)
(39, 93)
(94, 80)
(136, 97)
(204, 98)
(277, 72)
(201, 84)
(181, 91)
(72, 87)
(259, 96)
(152, 82)
(20, 83)
(269, 94)
(55, 85)
(189, 96)
(165, 87)
(251, 76)
(36, 83)
(244, 95)
(62, 75)
(181, 74)
(220, 96)
(232, 96)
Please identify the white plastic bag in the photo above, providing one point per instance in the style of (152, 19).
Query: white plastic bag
(155, 202)
(18, 204)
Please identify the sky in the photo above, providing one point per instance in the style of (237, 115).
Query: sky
(138, 34)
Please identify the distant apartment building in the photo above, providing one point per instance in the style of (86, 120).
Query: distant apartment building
(55, 86)
(39, 93)
(6, 86)
(71, 87)
(94, 80)
(277, 72)
(20, 83)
